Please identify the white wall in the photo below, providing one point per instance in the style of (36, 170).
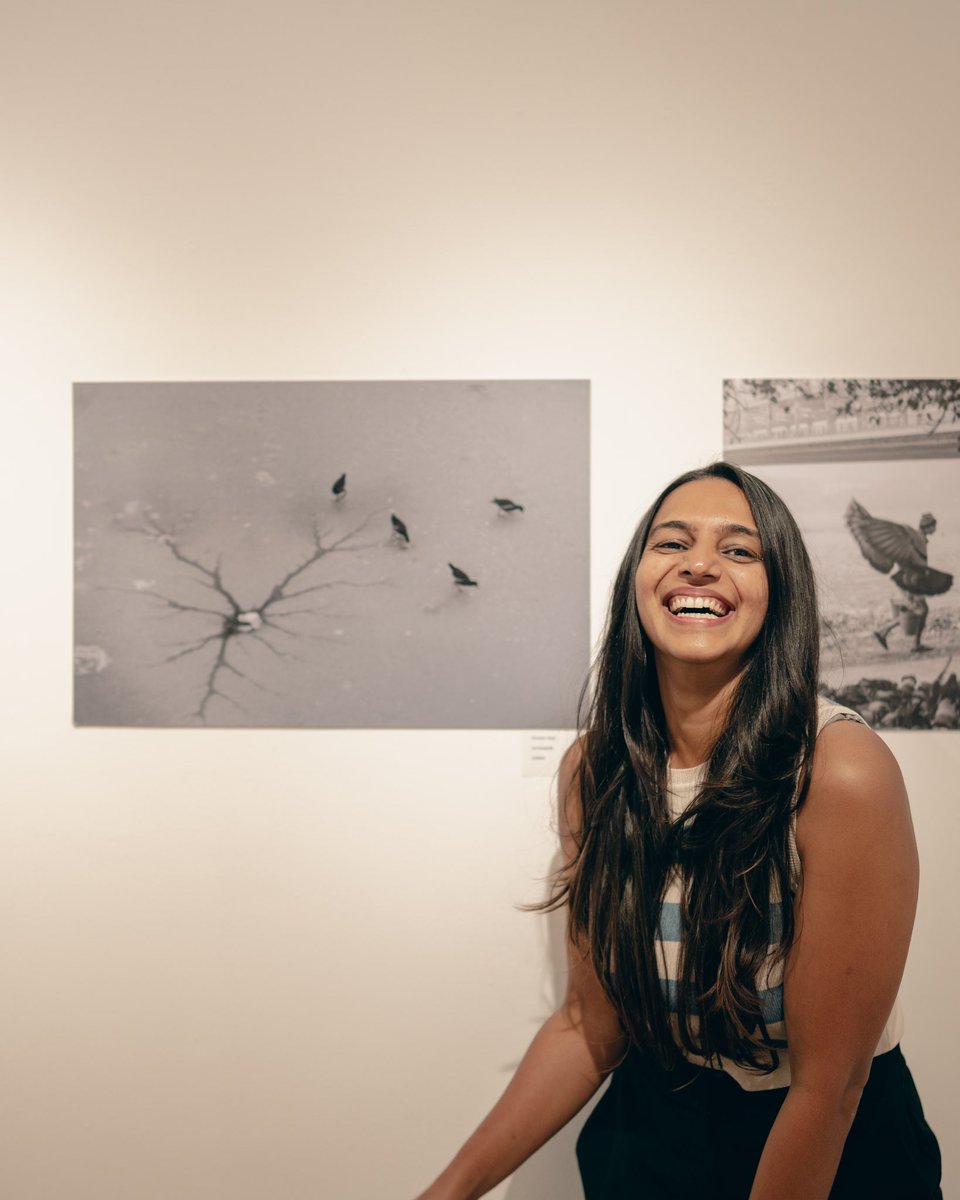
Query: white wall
(288, 964)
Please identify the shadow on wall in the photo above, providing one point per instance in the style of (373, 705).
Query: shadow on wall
(552, 1171)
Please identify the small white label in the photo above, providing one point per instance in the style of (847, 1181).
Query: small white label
(542, 752)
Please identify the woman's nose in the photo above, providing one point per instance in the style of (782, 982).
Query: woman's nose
(699, 563)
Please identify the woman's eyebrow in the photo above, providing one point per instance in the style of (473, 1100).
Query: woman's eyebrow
(684, 525)
(723, 530)
(744, 529)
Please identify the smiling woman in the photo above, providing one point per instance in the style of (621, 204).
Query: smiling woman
(701, 583)
(740, 883)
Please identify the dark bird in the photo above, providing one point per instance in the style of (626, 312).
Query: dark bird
(461, 578)
(507, 506)
(885, 545)
(339, 489)
(399, 529)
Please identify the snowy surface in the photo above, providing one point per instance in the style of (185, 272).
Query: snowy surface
(196, 501)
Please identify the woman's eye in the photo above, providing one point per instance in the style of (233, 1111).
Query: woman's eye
(741, 552)
(672, 545)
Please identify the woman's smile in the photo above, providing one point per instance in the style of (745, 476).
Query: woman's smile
(688, 604)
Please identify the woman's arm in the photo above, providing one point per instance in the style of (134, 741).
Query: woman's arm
(854, 920)
(566, 1062)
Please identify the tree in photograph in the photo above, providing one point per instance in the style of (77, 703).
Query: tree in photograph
(752, 403)
(934, 400)
(270, 622)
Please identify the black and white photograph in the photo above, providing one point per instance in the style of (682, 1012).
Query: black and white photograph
(870, 468)
(331, 555)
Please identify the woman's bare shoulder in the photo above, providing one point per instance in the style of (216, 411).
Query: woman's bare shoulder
(569, 808)
(855, 784)
(850, 754)
(570, 762)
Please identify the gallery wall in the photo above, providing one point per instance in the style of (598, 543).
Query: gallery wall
(255, 963)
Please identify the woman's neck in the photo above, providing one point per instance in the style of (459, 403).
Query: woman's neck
(695, 706)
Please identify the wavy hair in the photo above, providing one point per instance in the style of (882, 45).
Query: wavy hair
(732, 845)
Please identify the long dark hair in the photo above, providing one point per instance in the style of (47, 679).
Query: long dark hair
(732, 845)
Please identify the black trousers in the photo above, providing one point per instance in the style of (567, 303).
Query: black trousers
(694, 1134)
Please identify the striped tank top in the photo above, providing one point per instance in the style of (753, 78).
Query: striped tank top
(682, 787)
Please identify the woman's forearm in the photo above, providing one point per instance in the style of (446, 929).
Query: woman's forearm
(803, 1148)
(559, 1073)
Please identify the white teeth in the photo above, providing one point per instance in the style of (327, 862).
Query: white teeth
(704, 604)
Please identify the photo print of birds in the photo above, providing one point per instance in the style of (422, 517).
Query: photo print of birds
(871, 470)
(331, 555)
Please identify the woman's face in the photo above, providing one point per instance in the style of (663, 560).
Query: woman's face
(701, 585)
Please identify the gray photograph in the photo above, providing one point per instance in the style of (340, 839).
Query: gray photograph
(349, 555)
(871, 470)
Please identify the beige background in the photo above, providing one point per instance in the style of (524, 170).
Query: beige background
(288, 965)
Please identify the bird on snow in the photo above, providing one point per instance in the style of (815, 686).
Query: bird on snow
(507, 506)
(339, 489)
(399, 530)
(461, 578)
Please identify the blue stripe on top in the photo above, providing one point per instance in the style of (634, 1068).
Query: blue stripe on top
(771, 1001)
(670, 924)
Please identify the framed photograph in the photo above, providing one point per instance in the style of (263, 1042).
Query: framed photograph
(871, 470)
(366, 555)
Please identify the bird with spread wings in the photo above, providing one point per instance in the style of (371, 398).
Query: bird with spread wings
(887, 544)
